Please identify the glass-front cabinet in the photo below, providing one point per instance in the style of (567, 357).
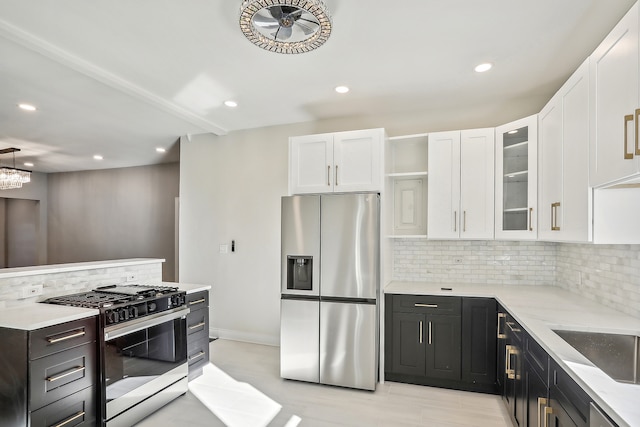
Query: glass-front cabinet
(516, 180)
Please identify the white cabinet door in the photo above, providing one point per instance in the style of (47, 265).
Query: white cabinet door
(336, 162)
(310, 164)
(357, 159)
(550, 178)
(443, 207)
(614, 76)
(563, 183)
(516, 179)
(477, 183)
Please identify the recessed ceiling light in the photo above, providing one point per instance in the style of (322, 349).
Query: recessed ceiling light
(511, 132)
(483, 67)
(97, 157)
(27, 107)
(28, 164)
(161, 150)
(231, 104)
(342, 89)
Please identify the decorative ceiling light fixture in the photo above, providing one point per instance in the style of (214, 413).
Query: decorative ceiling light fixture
(10, 177)
(285, 26)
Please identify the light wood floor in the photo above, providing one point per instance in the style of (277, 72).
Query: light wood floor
(244, 388)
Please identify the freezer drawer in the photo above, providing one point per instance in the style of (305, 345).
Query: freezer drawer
(348, 349)
(299, 339)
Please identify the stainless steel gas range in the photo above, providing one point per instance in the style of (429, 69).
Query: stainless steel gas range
(143, 348)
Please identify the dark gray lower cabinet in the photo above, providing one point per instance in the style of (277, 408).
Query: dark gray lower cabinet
(479, 343)
(568, 403)
(197, 332)
(441, 341)
(48, 376)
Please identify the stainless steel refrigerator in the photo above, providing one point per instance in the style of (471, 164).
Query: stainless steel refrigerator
(329, 289)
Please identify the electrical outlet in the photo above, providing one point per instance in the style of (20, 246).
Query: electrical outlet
(457, 260)
(32, 291)
(131, 277)
(224, 249)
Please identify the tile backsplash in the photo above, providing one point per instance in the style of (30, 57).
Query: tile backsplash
(609, 274)
(464, 261)
(68, 282)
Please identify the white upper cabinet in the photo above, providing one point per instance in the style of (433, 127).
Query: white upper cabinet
(461, 185)
(516, 180)
(336, 162)
(563, 173)
(615, 104)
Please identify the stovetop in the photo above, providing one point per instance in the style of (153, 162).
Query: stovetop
(121, 303)
(107, 296)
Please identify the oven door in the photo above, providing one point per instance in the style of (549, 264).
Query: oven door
(142, 358)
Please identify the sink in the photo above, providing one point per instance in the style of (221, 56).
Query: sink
(615, 354)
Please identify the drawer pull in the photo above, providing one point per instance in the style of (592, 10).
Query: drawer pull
(73, 418)
(542, 402)
(197, 356)
(425, 305)
(76, 334)
(198, 301)
(66, 374)
(501, 335)
(199, 325)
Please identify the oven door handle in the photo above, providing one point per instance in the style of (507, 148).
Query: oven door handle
(116, 331)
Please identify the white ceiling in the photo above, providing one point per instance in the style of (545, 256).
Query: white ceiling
(122, 77)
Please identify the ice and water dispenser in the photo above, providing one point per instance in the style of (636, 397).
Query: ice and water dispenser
(300, 272)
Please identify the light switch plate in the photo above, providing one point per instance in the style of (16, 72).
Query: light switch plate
(224, 249)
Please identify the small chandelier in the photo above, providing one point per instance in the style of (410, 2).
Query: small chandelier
(285, 26)
(10, 177)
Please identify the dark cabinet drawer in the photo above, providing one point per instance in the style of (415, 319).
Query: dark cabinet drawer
(61, 337)
(60, 374)
(537, 358)
(198, 300)
(78, 409)
(573, 399)
(427, 304)
(197, 357)
(198, 325)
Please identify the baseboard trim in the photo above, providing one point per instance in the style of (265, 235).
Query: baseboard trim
(232, 335)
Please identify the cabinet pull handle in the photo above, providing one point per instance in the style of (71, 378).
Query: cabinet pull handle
(199, 325)
(627, 119)
(541, 402)
(548, 410)
(66, 374)
(507, 360)
(554, 216)
(418, 304)
(510, 325)
(68, 420)
(511, 374)
(198, 301)
(336, 175)
(430, 328)
(75, 334)
(530, 219)
(464, 221)
(328, 175)
(420, 333)
(637, 139)
(197, 356)
(455, 221)
(501, 335)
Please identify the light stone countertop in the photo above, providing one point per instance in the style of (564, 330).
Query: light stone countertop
(189, 288)
(539, 309)
(7, 273)
(29, 317)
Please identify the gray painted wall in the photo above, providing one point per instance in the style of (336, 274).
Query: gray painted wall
(35, 190)
(114, 214)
